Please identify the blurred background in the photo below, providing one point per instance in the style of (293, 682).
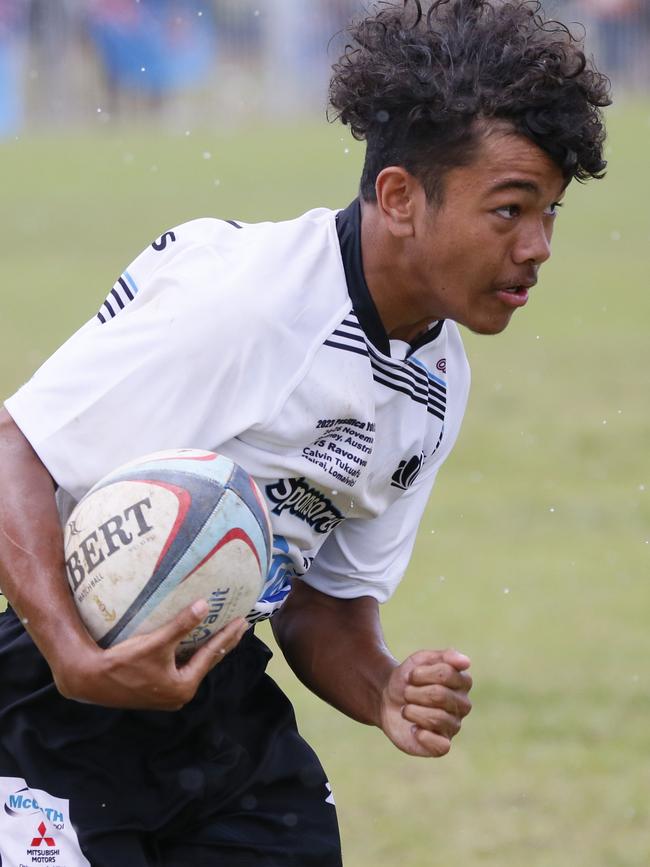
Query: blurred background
(174, 62)
(119, 119)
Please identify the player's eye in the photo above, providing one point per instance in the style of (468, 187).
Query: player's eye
(552, 210)
(509, 212)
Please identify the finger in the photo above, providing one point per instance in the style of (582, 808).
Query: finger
(441, 673)
(171, 633)
(431, 744)
(455, 658)
(214, 650)
(435, 695)
(437, 721)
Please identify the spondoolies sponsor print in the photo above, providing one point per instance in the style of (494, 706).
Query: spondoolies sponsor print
(35, 828)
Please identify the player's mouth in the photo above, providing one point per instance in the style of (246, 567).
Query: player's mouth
(516, 295)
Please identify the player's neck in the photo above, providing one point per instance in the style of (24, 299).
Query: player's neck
(387, 273)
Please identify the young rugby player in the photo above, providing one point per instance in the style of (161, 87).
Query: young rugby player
(323, 355)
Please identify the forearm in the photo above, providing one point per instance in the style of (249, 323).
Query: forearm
(337, 649)
(32, 570)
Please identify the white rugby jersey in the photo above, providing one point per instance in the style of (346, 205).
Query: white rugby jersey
(261, 341)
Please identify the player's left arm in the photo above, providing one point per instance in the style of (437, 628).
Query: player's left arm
(337, 649)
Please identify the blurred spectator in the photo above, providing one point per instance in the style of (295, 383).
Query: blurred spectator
(152, 47)
(622, 32)
(13, 48)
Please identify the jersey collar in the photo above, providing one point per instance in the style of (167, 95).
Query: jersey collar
(348, 228)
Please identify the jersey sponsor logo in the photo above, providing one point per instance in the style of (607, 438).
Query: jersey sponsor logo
(23, 802)
(42, 837)
(441, 365)
(305, 502)
(35, 828)
(160, 243)
(407, 472)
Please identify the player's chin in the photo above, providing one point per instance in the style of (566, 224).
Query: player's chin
(490, 323)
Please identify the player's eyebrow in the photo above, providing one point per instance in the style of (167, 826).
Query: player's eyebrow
(515, 184)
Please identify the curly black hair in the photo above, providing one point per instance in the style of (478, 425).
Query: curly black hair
(414, 80)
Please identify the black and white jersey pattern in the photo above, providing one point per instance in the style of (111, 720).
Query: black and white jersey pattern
(262, 342)
(349, 336)
(410, 377)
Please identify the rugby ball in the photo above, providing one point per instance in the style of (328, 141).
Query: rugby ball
(160, 532)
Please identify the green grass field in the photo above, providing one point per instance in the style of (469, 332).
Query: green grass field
(534, 555)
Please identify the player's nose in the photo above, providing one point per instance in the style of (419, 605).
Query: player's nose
(533, 245)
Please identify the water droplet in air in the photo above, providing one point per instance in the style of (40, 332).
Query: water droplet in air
(506, 590)
(207, 155)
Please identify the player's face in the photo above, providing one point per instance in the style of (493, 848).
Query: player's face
(478, 253)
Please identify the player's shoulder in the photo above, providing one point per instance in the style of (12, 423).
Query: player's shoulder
(210, 240)
(224, 234)
(266, 272)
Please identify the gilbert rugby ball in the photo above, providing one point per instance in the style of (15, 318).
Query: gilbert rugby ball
(158, 533)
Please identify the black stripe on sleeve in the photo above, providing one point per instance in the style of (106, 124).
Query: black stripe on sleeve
(126, 288)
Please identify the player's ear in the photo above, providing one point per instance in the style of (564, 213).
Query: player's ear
(399, 197)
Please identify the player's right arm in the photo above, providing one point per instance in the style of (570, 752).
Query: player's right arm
(138, 673)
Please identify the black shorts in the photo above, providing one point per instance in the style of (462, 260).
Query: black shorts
(225, 782)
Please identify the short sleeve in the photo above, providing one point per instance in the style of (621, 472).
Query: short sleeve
(185, 363)
(369, 557)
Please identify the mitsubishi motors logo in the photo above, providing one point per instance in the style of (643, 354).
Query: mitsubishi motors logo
(49, 841)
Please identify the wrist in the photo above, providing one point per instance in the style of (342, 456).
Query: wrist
(74, 659)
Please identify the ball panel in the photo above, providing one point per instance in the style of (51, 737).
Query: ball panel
(230, 599)
(197, 552)
(205, 465)
(246, 488)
